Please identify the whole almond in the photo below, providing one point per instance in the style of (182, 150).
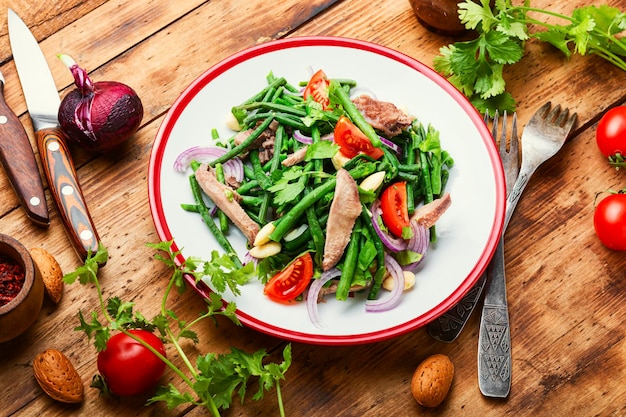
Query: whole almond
(57, 376)
(432, 380)
(50, 271)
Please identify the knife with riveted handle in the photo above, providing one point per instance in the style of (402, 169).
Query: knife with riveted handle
(18, 160)
(43, 101)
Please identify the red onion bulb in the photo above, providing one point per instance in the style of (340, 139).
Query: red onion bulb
(98, 116)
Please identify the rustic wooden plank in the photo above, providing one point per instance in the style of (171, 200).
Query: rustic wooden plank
(131, 275)
(565, 288)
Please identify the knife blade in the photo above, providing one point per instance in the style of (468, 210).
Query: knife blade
(43, 101)
(18, 160)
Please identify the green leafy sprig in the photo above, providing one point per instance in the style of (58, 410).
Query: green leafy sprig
(476, 66)
(215, 378)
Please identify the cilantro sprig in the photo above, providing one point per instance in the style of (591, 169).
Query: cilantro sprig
(214, 379)
(477, 66)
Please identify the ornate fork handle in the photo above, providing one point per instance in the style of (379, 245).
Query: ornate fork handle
(494, 336)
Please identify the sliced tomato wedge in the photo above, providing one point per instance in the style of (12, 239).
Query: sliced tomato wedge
(289, 283)
(393, 204)
(353, 141)
(317, 88)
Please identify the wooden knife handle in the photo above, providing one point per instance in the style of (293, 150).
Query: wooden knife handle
(66, 191)
(19, 162)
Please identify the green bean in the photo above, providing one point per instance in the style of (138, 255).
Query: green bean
(349, 264)
(251, 201)
(278, 144)
(317, 163)
(252, 119)
(294, 122)
(366, 220)
(247, 186)
(223, 219)
(204, 213)
(275, 107)
(428, 190)
(243, 145)
(354, 113)
(377, 282)
(316, 234)
(411, 168)
(259, 174)
(276, 83)
(410, 178)
(192, 208)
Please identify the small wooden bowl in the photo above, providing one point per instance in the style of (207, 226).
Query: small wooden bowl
(21, 312)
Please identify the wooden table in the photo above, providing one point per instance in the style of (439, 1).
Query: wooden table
(565, 289)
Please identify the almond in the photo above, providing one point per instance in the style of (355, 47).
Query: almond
(50, 271)
(432, 380)
(57, 376)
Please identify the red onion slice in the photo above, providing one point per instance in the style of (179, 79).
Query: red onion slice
(232, 168)
(395, 148)
(419, 243)
(392, 243)
(393, 299)
(302, 138)
(314, 292)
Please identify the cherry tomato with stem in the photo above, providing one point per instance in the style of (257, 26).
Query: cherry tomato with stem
(353, 141)
(394, 208)
(289, 283)
(129, 368)
(611, 136)
(317, 88)
(609, 221)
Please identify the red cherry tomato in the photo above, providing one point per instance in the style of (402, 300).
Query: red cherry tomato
(611, 132)
(393, 204)
(317, 88)
(289, 283)
(129, 368)
(609, 221)
(353, 141)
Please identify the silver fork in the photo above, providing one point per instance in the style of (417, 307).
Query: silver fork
(450, 324)
(542, 138)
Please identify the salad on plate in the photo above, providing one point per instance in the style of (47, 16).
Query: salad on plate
(335, 191)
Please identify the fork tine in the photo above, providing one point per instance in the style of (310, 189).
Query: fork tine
(554, 113)
(514, 144)
(543, 110)
(494, 127)
(564, 114)
(503, 134)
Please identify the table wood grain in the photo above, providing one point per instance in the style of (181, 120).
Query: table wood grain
(565, 289)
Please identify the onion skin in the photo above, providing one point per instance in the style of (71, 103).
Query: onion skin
(99, 116)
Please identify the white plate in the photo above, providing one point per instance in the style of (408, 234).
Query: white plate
(467, 233)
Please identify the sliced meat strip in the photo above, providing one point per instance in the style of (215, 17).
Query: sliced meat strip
(225, 198)
(383, 116)
(428, 214)
(295, 158)
(344, 210)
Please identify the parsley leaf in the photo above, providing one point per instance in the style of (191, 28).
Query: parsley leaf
(476, 67)
(289, 186)
(217, 377)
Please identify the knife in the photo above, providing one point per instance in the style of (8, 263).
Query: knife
(19, 162)
(43, 101)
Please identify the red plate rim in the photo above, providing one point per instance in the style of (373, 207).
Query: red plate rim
(154, 180)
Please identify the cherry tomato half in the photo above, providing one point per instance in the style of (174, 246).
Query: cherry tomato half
(609, 221)
(611, 132)
(289, 283)
(353, 141)
(317, 88)
(129, 368)
(393, 204)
